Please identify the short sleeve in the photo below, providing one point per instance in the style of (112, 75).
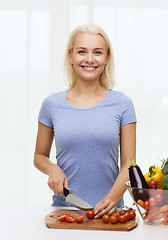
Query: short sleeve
(45, 113)
(128, 114)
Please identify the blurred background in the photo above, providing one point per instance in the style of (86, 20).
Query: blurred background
(33, 37)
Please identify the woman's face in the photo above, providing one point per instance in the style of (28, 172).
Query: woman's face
(88, 56)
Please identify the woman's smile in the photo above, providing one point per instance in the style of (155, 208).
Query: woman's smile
(88, 56)
(89, 68)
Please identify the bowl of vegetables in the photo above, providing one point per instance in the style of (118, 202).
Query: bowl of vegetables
(154, 206)
(150, 192)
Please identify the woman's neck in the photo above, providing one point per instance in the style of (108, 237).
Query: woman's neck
(87, 89)
(81, 97)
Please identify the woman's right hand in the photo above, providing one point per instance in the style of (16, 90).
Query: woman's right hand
(57, 180)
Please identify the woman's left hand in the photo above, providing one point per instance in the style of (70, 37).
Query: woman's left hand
(105, 206)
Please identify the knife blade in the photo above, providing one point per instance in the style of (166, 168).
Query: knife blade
(75, 200)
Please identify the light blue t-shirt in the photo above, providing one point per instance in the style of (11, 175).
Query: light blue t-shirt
(87, 142)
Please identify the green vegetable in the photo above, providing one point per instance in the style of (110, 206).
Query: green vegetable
(165, 173)
(164, 163)
(165, 182)
(165, 170)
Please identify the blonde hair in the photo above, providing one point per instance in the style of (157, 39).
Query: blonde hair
(107, 76)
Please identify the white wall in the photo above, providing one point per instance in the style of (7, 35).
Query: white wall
(33, 37)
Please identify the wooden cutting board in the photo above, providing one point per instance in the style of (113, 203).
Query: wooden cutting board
(52, 221)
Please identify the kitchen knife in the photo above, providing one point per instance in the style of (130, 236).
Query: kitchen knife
(75, 200)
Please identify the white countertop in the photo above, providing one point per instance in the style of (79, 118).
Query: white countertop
(27, 223)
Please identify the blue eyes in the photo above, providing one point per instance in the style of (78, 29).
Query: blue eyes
(83, 52)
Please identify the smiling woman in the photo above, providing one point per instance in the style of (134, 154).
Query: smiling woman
(88, 58)
(89, 122)
(31, 56)
(90, 43)
(89, 54)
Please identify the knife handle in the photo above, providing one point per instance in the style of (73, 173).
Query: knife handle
(66, 191)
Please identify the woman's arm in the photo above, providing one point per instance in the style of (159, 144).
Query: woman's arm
(127, 150)
(56, 177)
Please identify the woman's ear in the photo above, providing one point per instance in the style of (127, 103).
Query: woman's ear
(70, 56)
(107, 59)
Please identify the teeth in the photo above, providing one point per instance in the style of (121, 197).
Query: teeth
(89, 68)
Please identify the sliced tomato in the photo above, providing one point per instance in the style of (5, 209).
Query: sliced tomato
(67, 214)
(79, 219)
(69, 218)
(62, 218)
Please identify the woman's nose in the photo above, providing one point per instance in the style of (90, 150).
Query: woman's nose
(90, 58)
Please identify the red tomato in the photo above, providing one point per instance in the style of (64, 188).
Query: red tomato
(113, 219)
(159, 198)
(122, 218)
(127, 214)
(62, 218)
(69, 218)
(67, 214)
(129, 209)
(105, 218)
(79, 219)
(152, 202)
(152, 192)
(152, 184)
(122, 211)
(116, 214)
(132, 214)
(90, 214)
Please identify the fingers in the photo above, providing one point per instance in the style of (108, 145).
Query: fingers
(66, 184)
(56, 187)
(56, 182)
(106, 206)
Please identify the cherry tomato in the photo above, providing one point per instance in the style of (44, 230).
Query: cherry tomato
(105, 218)
(69, 218)
(62, 218)
(159, 198)
(113, 219)
(122, 211)
(90, 214)
(122, 218)
(152, 192)
(152, 202)
(129, 209)
(132, 214)
(152, 184)
(116, 213)
(79, 219)
(67, 214)
(127, 214)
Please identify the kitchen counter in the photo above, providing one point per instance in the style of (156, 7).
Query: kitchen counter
(27, 223)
